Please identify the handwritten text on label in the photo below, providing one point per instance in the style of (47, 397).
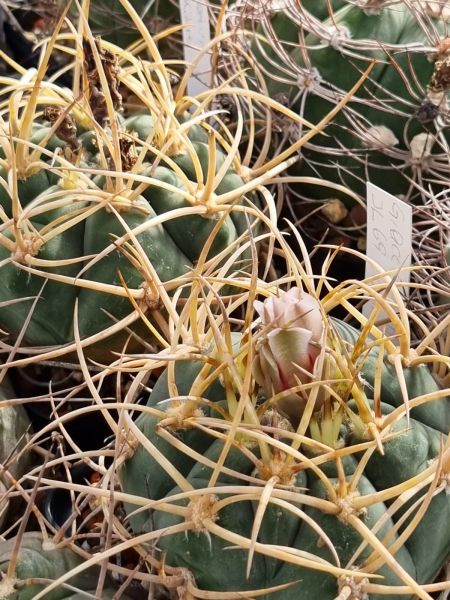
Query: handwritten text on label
(389, 233)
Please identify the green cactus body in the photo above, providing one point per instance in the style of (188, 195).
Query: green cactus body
(21, 288)
(418, 380)
(15, 429)
(320, 10)
(375, 137)
(85, 239)
(155, 242)
(27, 189)
(144, 467)
(345, 541)
(107, 594)
(39, 180)
(200, 554)
(405, 456)
(171, 248)
(38, 559)
(111, 21)
(237, 223)
(63, 221)
(195, 229)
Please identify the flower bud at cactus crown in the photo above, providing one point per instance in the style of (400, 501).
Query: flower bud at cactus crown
(289, 346)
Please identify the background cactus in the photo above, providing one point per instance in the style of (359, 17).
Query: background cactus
(396, 122)
(431, 254)
(393, 133)
(15, 431)
(110, 200)
(39, 559)
(112, 22)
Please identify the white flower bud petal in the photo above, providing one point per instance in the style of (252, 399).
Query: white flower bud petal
(272, 312)
(287, 350)
(291, 349)
(259, 307)
(266, 372)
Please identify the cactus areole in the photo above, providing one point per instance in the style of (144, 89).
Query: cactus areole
(288, 519)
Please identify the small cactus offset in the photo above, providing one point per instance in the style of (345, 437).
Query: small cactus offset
(15, 456)
(304, 458)
(40, 562)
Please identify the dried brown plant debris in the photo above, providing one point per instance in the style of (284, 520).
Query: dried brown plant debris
(110, 65)
(66, 128)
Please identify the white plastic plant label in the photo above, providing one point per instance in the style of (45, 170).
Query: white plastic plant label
(389, 237)
(196, 36)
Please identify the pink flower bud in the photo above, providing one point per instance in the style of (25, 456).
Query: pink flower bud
(289, 346)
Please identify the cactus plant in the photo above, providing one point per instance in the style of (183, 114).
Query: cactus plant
(111, 198)
(15, 429)
(430, 296)
(346, 497)
(395, 131)
(112, 22)
(37, 563)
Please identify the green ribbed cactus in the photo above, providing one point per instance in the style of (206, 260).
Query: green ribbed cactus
(327, 477)
(113, 198)
(15, 458)
(431, 254)
(111, 21)
(37, 564)
(395, 130)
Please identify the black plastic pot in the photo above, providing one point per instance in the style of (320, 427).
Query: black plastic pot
(88, 431)
(57, 503)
